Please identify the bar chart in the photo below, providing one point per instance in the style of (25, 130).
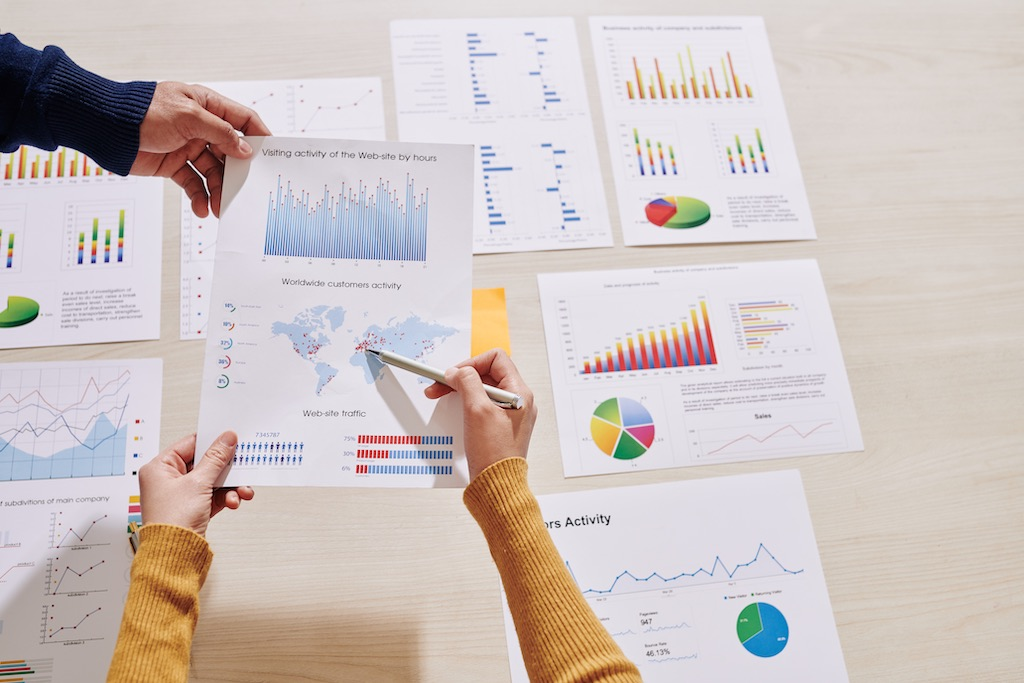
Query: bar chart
(359, 222)
(27, 164)
(742, 149)
(651, 150)
(688, 73)
(12, 235)
(684, 343)
(771, 325)
(96, 233)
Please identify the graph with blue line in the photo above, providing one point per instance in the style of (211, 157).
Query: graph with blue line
(361, 221)
(762, 564)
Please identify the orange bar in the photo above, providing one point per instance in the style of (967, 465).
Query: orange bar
(654, 350)
(707, 326)
(679, 352)
(696, 333)
(632, 354)
(60, 163)
(74, 165)
(622, 357)
(714, 86)
(629, 89)
(689, 344)
(22, 157)
(666, 356)
(735, 80)
(661, 78)
(639, 78)
(608, 362)
(35, 168)
(749, 93)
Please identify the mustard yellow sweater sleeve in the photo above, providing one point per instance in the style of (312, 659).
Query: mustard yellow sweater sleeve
(163, 606)
(560, 636)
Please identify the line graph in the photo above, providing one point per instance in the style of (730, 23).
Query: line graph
(792, 431)
(64, 576)
(62, 424)
(63, 535)
(61, 630)
(629, 582)
(9, 573)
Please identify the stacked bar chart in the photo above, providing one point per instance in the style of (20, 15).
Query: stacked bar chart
(680, 77)
(754, 163)
(359, 222)
(97, 233)
(415, 454)
(12, 226)
(653, 159)
(29, 163)
(685, 343)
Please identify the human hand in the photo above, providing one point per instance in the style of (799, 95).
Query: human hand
(491, 433)
(185, 135)
(172, 492)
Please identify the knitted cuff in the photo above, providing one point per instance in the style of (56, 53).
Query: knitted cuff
(94, 115)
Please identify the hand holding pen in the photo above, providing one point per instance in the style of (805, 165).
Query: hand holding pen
(491, 433)
(505, 399)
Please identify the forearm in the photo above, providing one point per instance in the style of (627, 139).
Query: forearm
(560, 637)
(47, 100)
(163, 606)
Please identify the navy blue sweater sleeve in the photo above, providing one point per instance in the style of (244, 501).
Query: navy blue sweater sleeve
(47, 100)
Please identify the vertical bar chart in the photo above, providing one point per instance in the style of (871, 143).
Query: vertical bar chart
(97, 233)
(651, 150)
(360, 222)
(12, 237)
(27, 164)
(686, 342)
(678, 75)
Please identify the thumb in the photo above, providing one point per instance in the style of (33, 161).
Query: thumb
(468, 385)
(217, 457)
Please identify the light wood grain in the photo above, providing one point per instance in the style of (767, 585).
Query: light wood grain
(909, 123)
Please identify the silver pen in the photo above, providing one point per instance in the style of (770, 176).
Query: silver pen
(505, 399)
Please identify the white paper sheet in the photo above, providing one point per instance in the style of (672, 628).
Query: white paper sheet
(697, 131)
(326, 248)
(72, 437)
(79, 251)
(347, 108)
(514, 88)
(669, 367)
(710, 580)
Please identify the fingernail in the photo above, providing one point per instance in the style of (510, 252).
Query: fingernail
(244, 146)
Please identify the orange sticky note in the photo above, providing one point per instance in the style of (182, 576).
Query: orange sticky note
(490, 321)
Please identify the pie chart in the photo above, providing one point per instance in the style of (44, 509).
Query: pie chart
(622, 428)
(678, 212)
(20, 311)
(762, 629)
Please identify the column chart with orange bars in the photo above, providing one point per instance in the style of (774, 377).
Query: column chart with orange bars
(685, 343)
(688, 73)
(27, 164)
(12, 236)
(96, 233)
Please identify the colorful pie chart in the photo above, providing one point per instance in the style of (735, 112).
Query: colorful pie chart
(762, 629)
(622, 428)
(20, 311)
(678, 212)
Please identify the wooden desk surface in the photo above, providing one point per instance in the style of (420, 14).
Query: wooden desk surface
(909, 122)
